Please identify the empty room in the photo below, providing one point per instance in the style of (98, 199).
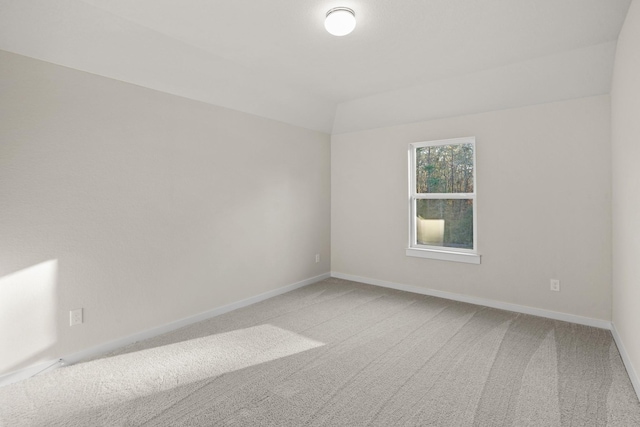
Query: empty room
(319, 213)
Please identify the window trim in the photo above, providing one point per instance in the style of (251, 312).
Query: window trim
(439, 252)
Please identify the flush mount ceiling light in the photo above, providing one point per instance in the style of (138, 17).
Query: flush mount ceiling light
(340, 21)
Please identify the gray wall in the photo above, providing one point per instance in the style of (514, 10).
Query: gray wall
(142, 208)
(544, 206)
(625, 108)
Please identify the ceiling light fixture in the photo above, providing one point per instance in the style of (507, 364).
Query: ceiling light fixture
(340, 21)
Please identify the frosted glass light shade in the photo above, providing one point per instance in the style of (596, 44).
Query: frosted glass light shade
(340, 21)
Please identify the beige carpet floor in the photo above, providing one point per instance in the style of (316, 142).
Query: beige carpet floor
(340, 353)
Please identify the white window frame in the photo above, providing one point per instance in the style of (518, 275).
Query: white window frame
(438, 252)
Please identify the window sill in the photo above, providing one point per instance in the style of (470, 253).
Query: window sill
(444, 255)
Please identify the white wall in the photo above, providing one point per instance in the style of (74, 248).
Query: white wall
(544, 207)
(625, 109)
(142, 208)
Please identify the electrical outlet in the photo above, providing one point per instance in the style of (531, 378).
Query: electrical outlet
(555, 285)
(317, 258)
(75, 317)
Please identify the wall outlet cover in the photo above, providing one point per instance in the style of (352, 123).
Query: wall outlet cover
(75, 317)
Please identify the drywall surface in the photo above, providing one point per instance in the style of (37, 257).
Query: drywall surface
(625, 113)
(142, 208)
(544, 206)
(556, 77)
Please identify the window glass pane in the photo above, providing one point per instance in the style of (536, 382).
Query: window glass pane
(444, 169)
(445, 222)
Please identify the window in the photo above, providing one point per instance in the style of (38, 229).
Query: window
(442, 200)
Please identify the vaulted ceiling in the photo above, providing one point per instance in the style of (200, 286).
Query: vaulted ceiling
(407, 60)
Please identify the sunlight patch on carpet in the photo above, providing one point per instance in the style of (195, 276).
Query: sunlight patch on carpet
(118, 379)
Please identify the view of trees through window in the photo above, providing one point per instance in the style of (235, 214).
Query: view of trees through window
(442, 221)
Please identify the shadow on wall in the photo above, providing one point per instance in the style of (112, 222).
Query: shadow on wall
(28, 303)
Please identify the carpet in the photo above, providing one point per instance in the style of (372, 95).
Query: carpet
(340, 353)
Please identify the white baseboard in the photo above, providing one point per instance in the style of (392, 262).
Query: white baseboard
(635, 380)
(30, 371)
(588, 321)
(110, 346)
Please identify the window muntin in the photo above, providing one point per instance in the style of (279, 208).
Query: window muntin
(443, 195)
